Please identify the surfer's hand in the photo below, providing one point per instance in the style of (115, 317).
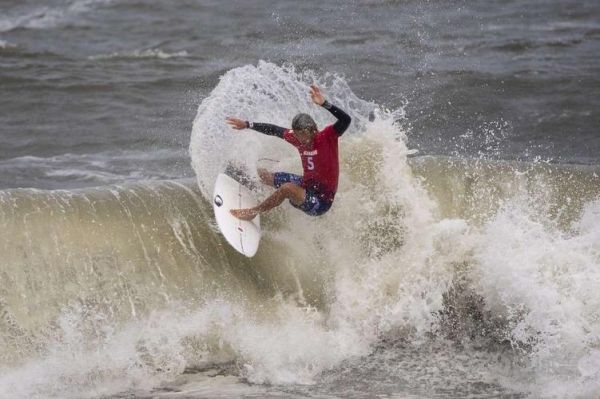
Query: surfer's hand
(236, 123)
(315, 94)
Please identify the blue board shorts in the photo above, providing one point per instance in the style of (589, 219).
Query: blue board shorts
(313, 205)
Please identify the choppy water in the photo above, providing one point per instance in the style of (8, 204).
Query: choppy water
(467, 269)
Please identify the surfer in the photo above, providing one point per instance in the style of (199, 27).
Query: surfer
(313, 192)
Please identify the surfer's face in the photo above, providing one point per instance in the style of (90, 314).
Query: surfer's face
(305, 136)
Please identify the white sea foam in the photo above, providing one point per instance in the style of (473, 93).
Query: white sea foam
(159, 348)
(545, 282)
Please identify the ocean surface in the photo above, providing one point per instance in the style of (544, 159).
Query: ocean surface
(461, 257)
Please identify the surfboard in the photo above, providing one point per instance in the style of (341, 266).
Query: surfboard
(242, 235)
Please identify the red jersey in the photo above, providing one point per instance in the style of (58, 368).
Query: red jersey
(319, 161)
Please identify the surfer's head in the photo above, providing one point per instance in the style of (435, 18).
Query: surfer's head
(304, 128)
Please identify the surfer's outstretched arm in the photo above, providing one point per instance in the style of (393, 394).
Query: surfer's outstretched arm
(343, 119)
(265, 128)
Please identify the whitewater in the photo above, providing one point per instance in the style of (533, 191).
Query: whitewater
(430, 276)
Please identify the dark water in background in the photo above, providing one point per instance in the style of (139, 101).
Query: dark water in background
(104, 91)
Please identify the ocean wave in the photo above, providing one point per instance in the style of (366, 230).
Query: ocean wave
(285, 326)
(99, 168)
(49, 17)
(148, 53)
(405, 257)
(104, 157)
(525, 45)
(6, 45)
(129, 285)
(543, 281)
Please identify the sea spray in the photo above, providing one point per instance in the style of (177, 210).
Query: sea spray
(544, 282)
(266, 93)
(379, 248)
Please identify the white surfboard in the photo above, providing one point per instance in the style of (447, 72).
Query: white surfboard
(241, 235)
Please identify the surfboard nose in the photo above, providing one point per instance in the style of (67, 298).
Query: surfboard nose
(242, 235)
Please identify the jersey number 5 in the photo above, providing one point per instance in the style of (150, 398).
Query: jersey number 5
(310, 163)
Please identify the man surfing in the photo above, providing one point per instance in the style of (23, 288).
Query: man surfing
(313, 192)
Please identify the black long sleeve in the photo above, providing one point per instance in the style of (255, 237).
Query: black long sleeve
(340, 126)
(343, 119)
(267, 128)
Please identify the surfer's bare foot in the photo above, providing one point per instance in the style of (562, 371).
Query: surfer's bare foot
(244, 214)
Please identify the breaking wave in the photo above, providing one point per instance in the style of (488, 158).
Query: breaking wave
(116, 288)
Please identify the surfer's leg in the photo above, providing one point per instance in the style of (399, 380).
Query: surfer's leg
(314, 204)
(280, 178)
(266, 177)
(291, 191)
